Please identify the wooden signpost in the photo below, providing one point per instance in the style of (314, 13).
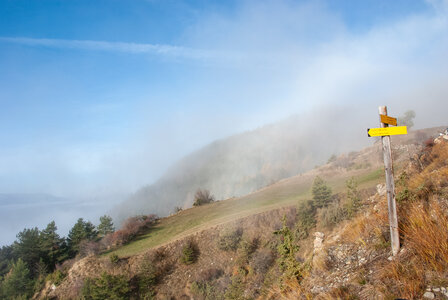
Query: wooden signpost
(385, 133)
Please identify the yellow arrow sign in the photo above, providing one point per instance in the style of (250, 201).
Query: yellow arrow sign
(388, 120)
(387, 131)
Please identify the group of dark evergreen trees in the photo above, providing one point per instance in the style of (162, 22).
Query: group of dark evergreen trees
(36, 253)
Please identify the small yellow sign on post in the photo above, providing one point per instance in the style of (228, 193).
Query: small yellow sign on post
(388, 120)
(387, 131)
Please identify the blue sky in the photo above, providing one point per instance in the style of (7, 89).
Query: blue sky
(100, 97)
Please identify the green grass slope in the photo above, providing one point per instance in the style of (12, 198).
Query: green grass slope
(285, 193)
(366, 166)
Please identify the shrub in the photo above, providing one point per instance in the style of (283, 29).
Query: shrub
(235, 290)
(147, 279)
(129, 230)
(135, 225)
(321, 192)
(114, 258)
(106, 286)
(202, 197)
(262, 260)
(206, 290)
(333, 214)
(152, 269)
(353, 197)
(56, 277)
(88, 248)
(210, 274)
(189, 253)
(306, 220)
(402, 188)
(287, 250)
(230, 240)
(247, 247)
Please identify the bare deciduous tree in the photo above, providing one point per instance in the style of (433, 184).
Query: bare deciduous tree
(203, 196)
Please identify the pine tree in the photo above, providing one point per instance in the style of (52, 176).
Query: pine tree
(27, 247)
(106, 226)
(321, 192)
(189, 253)
(6, 258)
(353, 197)
(52, 246)
(287, 249)
(80, 231)
(18, 283)
(106, 286)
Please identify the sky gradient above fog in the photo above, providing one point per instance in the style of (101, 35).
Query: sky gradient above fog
(98, 98)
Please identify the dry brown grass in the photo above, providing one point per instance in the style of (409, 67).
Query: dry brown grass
(404, 278)
(363, 226)
(434, 177)
(289, 290)
(426, 234)
(424, 228)
(339, 293)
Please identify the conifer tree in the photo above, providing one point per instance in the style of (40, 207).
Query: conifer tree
(353, 197)
(321, 192)
(106, 226)
(52, 246)
(82, 230)
(6, 258)
(18, 283)
(27, 247)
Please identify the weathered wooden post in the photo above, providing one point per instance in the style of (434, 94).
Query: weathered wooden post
(390, 185)
(385, 132)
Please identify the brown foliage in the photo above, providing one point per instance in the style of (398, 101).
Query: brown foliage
(87, 248)
(210, 274)
(262, 260)
(129, 230)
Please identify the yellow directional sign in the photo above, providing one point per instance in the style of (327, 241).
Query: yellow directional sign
(387, 131)
(388, 120)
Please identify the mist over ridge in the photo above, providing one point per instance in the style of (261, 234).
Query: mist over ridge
(93, 115)
(243, 163)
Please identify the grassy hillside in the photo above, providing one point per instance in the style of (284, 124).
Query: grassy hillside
(366, 166)
(352, 261)
(285, 193)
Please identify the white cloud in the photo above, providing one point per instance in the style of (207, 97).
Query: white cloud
(133, 48)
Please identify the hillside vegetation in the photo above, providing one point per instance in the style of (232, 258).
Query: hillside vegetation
(261, 245)
(365, 165)
(244, 163)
